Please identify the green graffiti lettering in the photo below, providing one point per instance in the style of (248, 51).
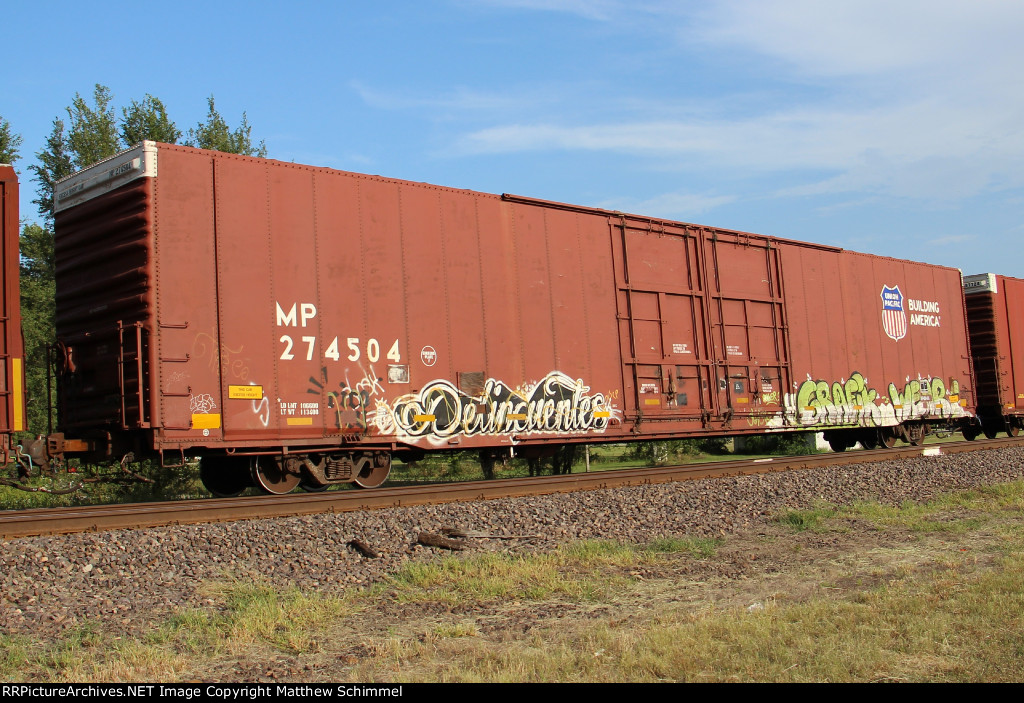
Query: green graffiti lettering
(853, 402)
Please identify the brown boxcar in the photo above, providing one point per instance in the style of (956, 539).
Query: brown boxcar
(12, 372)
(304, 324)
(995, 317)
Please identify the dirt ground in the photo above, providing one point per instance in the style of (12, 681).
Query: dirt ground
(769, 566)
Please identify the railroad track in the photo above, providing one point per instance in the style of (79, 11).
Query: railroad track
(51, 521)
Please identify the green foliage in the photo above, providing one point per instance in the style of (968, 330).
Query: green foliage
(697, 547)
(90, 134)
(37, 254)
(38, 287)
(9, 143)
(55, 162)
(783, 444)
(251, 612)
(37, 317)
(106, 485)
(92, 131)
(662, 452)
(169, 482)
(215, 134)
(810, 519)
(147, 120)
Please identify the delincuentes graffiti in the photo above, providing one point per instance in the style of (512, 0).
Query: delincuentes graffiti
(555, 404)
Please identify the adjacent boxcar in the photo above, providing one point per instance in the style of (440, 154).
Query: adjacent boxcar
(301, 324)
(995, 316)
(12, 372)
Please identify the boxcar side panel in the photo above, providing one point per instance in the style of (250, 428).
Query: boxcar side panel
(379, 310)
(185, 353)
(345, 265)
(12, 372)
(875, 341)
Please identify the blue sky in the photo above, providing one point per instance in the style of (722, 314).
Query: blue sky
(885, 126)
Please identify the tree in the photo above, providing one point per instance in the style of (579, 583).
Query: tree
(55, 162)
(92, 131)
(147, 120)
(92, 134)
(37, 316)
(9, 143)
(215, 134)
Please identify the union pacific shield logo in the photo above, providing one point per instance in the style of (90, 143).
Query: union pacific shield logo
(894, 319)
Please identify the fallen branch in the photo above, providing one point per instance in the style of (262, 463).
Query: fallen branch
(429, 539)
(364, 549)
(128, 458)
(41, 489)
(471, 534)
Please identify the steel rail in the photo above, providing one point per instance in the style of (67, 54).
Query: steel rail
(52, 521)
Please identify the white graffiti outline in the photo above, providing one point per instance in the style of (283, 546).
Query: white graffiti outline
(557, 404)
(202, 403)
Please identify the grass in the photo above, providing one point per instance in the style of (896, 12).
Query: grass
(464, 466)
(254, 613)
(246, 617)
(916, 592)
(901, 633)
(950, 626)
(697, 547)
(813, 518)
(565, 573)
(953, 512)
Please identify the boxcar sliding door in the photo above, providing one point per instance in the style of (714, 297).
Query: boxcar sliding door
(748, 328)
(663, 329)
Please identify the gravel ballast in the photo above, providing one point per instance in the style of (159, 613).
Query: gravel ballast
(124, 579)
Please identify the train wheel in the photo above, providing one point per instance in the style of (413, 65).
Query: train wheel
(869, 440)
(839, 444)
(1012, 430)
(887, 438)
(970, 433)
(990, 431)
(916, 434)
(310, 487)
(270, 476)
(224, 476)
(374, 472)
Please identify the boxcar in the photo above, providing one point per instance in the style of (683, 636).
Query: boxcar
(12, 372)
(302, 324)
(995, 317)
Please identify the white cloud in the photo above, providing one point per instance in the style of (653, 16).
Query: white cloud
(872, 97)
(592, 9)
(914, 99)
(919, 149)
(952, 239)
(871, 37)
(676, 206)
(458, 98)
